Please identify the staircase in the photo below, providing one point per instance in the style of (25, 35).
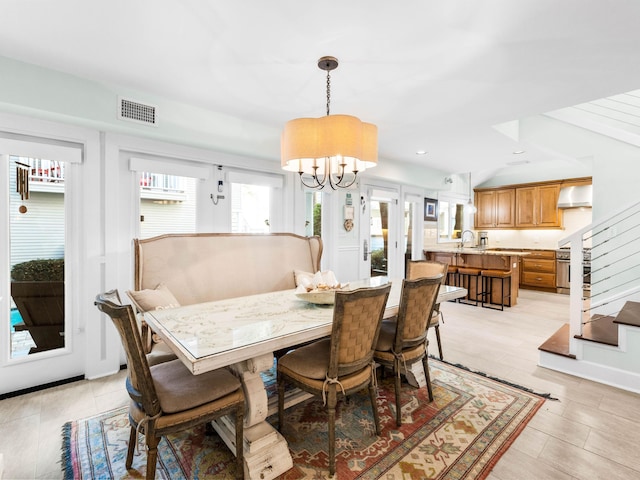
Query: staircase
(601, 342)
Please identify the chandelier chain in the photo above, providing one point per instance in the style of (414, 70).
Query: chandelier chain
(328, 91)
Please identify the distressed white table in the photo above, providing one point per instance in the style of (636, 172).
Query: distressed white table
(242, 333)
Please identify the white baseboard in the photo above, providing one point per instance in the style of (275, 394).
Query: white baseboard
(615, 377)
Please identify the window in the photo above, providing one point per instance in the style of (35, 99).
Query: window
(450, 218)
(313, 214)
(256, 201)
(167, 204)
(250, 211)
(168, 190)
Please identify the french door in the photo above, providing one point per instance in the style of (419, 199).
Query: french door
(38, 335)
(381, 248)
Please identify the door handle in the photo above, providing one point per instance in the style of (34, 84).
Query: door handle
(365, 249)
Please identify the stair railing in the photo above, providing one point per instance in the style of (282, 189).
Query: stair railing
(614, 275)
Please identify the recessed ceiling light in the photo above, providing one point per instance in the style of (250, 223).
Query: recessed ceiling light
(518, 152)
(518, 162)
(421, 152)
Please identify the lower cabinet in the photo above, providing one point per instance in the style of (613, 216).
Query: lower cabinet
(449, 258)
(538, 270)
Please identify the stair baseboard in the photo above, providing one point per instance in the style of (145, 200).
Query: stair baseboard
(615, 377)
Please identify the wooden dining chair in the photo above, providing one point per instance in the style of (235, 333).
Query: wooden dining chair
(167, 397)
(341, 364)
(428, 268)
(404, 341)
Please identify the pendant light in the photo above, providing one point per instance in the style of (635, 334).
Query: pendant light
(329, 150)
(470, 207)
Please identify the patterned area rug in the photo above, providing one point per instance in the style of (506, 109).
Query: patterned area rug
(461, 435)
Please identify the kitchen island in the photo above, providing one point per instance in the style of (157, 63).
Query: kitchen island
(483, 259)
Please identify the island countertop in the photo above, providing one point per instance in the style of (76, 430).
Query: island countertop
(477, 251)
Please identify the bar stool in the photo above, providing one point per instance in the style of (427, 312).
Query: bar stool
(465, 277)
(452, 275)
(488, 277)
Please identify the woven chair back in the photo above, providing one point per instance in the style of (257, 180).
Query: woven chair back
(417, 302)
(357, 318)
(426, 268)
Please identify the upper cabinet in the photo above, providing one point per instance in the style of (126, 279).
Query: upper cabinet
(495, 208)
(537, 207)
(526, 206)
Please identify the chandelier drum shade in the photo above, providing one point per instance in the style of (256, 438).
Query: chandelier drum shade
(332, 149)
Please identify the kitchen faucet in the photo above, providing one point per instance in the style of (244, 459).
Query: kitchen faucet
(473, 238)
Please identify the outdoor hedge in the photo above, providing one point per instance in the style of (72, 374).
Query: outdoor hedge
(41, 270)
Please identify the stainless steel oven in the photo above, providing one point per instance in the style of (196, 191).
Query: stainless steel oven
(563, 270)
(563, 257)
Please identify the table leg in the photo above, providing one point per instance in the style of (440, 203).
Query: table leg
(266, 452)
(415, 375)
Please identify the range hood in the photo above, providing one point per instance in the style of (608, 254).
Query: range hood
(573, 197)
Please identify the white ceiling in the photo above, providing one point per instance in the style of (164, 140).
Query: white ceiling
(432, 75)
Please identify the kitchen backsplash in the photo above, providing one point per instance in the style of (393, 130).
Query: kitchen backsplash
(574, 219)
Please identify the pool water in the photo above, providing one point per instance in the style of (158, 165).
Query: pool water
(15, 317)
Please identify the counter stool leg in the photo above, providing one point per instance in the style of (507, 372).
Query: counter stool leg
(466, 275)
(452, 277)
(488, 278)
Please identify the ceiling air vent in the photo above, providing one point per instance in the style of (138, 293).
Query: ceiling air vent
(137, 112)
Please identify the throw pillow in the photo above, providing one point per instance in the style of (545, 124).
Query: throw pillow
(157, 299)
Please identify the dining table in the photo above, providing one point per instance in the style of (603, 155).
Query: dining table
(242, 334)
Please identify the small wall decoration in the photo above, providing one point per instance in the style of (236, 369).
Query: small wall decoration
(348, 225)
(430, 210)
(22, 180)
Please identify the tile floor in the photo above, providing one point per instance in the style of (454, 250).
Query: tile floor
(593, 432)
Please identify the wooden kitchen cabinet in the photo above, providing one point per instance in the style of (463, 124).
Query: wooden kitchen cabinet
(538, 270)
(537, 207)
(495, 208)
(522, 206)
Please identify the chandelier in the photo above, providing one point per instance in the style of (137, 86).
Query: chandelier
(329, 150)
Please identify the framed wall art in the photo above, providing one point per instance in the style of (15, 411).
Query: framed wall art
(430, 210)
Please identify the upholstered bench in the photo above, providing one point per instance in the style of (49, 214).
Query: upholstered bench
(183, 269)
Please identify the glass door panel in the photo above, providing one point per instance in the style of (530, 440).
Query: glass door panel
(251, 207)
(408, 232)
(379, 237)
(313, 214)
(36, 254)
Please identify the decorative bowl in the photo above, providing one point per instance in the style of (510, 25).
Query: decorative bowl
(318, 297)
